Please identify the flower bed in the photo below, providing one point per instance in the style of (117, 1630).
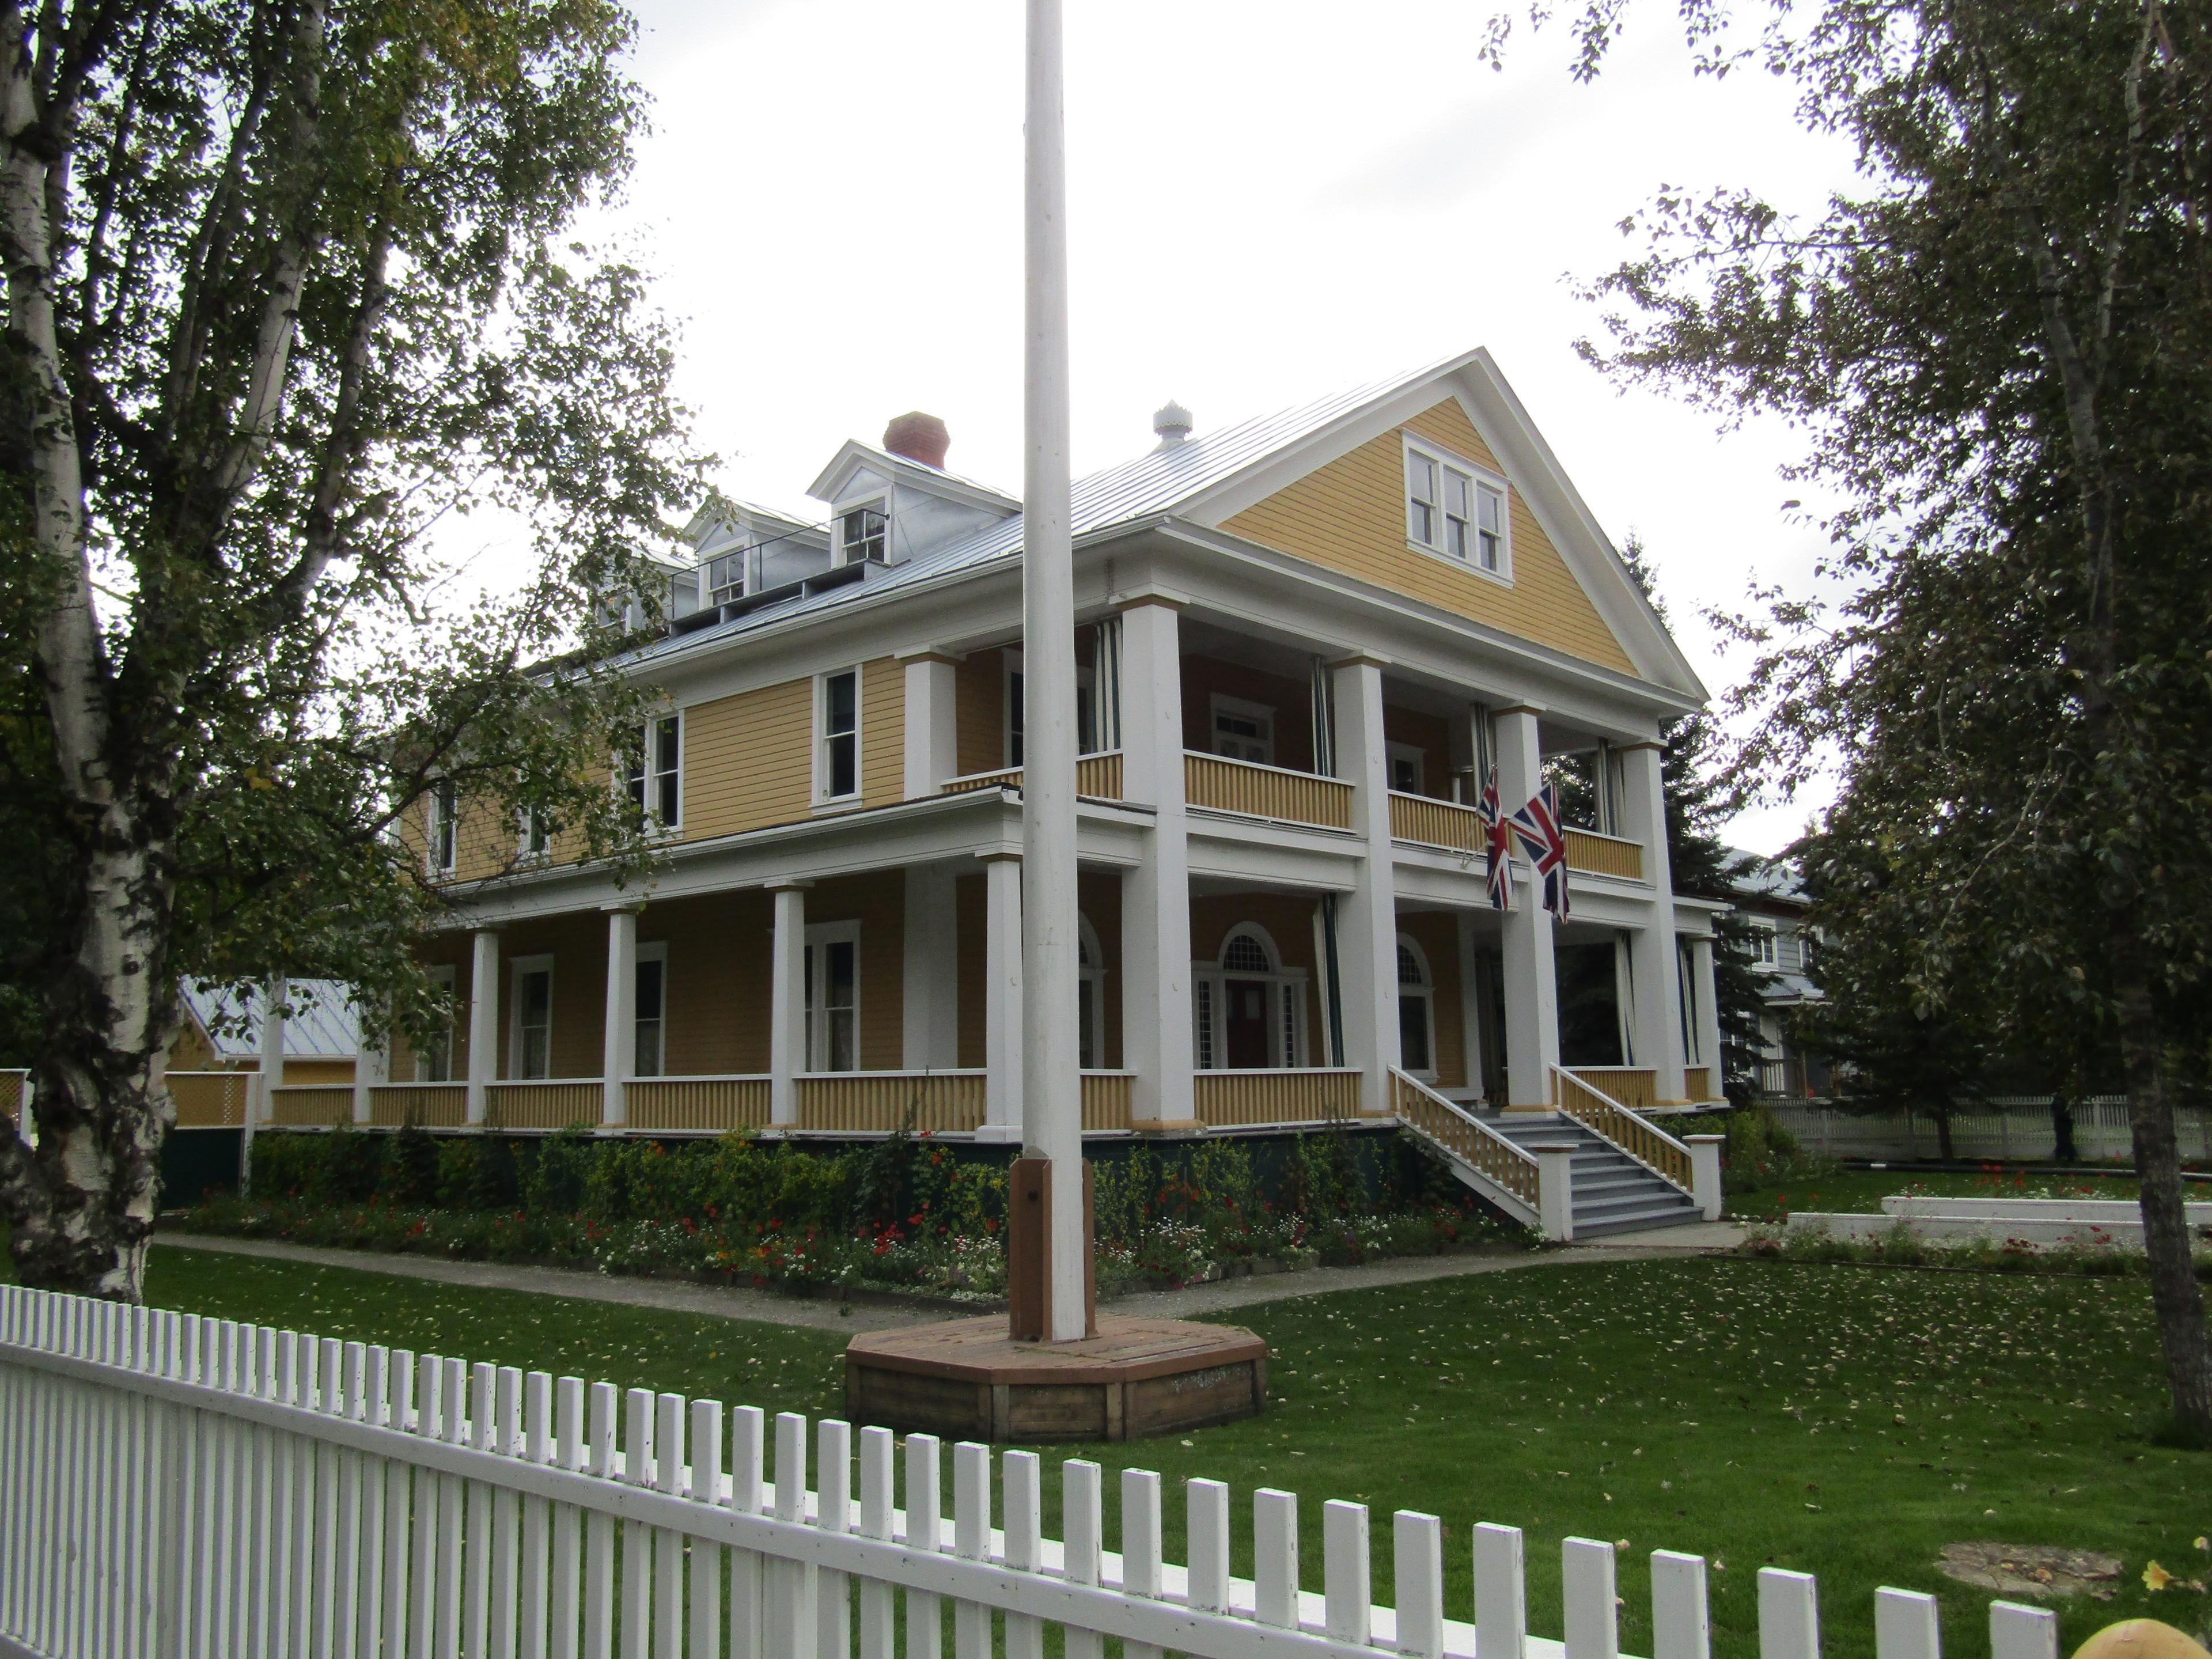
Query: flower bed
(907, 1215)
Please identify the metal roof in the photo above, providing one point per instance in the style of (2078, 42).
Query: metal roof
(319, 1023)
(1151, 485)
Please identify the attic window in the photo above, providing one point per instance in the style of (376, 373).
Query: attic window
(726, 577)
(861, 535)
(1454, 509)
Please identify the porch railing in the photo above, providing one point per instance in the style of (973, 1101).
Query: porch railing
(1431, 823)
(543, 1103)
(1266, 792)
(1698, 1083)
(1467, 1139)
(211, 1100)
(15, 1083)
(1606, 1117)
(431, 1105)
(1237, 1100)
(877, 1102)
(1108, 1101)
(1636, 1087)
(309, 1105)
(1098, 776)
(168, 1482)
(1604, 855)
(711, 1104)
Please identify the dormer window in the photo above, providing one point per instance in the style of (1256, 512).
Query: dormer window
(726, 577)
(862, 534)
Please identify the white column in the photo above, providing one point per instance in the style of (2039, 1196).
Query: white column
(1658, 1013)
(1367, 919)
(1532, 986)
(271, 1061)
(483, 1019)
(1470, 1002)
(1156, 1010)
(619, 1057)
(1708, 1013)
(1052, 1088)
(931, 1026)
(786, 1001)
(1004, 972)
(372, 1064)
(932, 731)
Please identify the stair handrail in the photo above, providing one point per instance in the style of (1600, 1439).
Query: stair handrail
(1463, 1135)
(1623, 1129)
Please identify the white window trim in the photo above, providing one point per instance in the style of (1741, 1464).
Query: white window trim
(1220, 703)
(1415, 753)
(434, 815)
(1090, 985)
(1767, 960)
(1010, 666)
(880, 504)
(655, 952)
(1215, 978)
(517, 967)
(655, 825)
(1426, 991)
(445, 977)
(814, 997)
(1482, 474)
(524, 819)
(822, 795)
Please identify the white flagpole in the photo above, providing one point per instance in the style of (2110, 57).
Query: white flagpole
(1051, 1107)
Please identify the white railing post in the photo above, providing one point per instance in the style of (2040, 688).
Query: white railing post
(1140, 1547)
(748, 1434)
(879, 1613)
(1555, 1192)
(1020, 1474)
(1417, 1553)
(971, 1539)
(1705, 1173)
(1501, 1593)
(1206, 1507)
(833, 1512)
(925, 1530)
(1587, 1575)
(1082, 1529)
(1347, 1600)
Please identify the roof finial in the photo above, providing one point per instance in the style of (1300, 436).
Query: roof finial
(1172, 423)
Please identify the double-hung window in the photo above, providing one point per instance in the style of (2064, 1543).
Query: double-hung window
(1456, 509)
(443, 826)
(1763, 953)
(837, 728)
(863, 533)
(656, 771)
(726, 577)
(535, 838)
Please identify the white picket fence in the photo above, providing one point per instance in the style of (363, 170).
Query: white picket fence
(198, 1489)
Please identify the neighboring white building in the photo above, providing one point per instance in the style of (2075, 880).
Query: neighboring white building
(1771, 897)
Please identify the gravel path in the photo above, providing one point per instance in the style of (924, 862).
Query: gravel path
(730, 1301)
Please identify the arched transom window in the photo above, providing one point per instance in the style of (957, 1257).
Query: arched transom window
(1249, 1010)
(1416, 1010)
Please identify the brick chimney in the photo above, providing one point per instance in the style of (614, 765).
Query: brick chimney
(919, 437)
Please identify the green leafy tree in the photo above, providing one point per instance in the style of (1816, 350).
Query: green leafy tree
(290, 284)
(2000, 350)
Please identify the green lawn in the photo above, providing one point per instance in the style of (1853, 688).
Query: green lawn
(1845, 1421)
(1861, 1191)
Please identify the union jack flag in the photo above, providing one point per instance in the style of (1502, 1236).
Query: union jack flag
(1536, 826)
(1498, 840)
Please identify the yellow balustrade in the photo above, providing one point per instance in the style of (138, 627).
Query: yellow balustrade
(1604, 855)
(1607, 1118)
(1634, 1087)
(211, 1100)
(1099, 777)
(861, 1102)
(698, 1102)
(311, 1105)
(1698, 1083)
(431, 1105)
(1474, 1143)
(1266, 792)
(544, 1104)
(1435, 823)
(1107, 1097)
(1007, 777)
(1226, 1100)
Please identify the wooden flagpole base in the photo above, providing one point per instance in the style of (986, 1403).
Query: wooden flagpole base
(1029, 1251)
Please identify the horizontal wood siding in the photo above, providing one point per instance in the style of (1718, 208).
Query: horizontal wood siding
(748, 760)
(1350, 515)
(717, 981)
(1436, 931)
(1292, 700)
(1431, 735)
(883, 731)
(979, 704)
(578, 945)
(318, 1071)
(878, 903)
(1288, 919)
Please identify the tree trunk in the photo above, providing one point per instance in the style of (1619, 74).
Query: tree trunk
(1942, 1117)
(2176, 1298)
(2064, 1150)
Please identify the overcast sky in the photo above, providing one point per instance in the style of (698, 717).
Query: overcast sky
(1268, 201)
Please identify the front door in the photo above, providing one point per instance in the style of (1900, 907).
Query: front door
(1247, 1026)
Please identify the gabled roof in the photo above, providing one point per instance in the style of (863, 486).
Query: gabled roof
(1205, 468)
(322, 1024)
(936, 480)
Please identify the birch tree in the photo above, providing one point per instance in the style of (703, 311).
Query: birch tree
(2000, 349)
(291, 284)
